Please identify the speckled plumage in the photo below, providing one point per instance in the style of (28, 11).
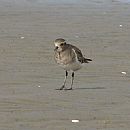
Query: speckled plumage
(68, 56)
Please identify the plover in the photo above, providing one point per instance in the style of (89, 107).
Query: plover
(70, 58)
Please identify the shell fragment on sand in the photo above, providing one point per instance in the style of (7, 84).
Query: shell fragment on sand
(22, 37)
(75, 121)
(123, 72)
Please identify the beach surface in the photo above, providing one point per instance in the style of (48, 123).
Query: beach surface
(29, 75)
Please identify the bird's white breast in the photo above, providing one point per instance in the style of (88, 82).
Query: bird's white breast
(68, 60)
(72, 66)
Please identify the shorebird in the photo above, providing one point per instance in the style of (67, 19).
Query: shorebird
(70, 58)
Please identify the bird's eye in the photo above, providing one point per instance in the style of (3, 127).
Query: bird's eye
(61, 44)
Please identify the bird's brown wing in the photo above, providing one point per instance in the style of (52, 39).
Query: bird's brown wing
(80, 56)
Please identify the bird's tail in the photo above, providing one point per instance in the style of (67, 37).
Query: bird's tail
(86, 60)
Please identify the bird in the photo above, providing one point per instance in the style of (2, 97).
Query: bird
(70, 58)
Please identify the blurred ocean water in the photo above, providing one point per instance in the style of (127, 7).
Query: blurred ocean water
(124, 1)
(14, 3)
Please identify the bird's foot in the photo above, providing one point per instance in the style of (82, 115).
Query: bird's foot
(68, 88)
(61, 88)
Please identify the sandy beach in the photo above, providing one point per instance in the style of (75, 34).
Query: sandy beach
(29, 75)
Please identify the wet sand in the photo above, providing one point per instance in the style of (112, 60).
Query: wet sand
(29, 76)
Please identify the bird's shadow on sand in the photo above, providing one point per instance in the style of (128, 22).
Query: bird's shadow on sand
(83, 88)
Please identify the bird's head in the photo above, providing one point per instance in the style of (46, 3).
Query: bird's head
(59, 44)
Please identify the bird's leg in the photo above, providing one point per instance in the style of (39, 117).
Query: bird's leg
(72, 80)
(63, 86)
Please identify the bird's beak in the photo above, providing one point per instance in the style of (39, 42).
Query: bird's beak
(56, 48)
